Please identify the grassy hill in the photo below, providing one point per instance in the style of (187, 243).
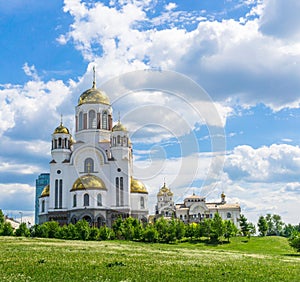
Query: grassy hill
(257, 259)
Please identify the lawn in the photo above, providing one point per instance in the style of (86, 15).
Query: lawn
(259, 259)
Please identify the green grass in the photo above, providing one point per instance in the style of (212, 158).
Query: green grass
(259, 259)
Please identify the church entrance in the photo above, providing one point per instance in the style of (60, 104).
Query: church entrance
(100, 221)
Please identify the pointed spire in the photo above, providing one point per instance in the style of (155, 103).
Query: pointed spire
(94, 77)
(164, 181)
(61, 119)
(119, 118)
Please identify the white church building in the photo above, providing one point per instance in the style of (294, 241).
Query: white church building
(91, 177)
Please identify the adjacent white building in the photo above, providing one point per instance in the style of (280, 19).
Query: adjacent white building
(91, 177)
(195, 208)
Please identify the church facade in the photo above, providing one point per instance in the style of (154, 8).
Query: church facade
(195, 208)
(91, 177)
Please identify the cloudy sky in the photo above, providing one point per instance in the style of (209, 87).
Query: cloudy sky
(210, 91)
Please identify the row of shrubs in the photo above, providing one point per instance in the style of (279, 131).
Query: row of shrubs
(162, 230)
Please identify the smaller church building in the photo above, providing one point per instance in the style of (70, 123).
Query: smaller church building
(194, 208)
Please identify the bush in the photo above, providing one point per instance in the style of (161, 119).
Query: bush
(150, 234)
(83, 229)
(105, 233)
(295, 241)
(22, 230)
(7, 229)
(94, 234)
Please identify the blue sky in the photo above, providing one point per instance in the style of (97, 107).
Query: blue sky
(244, 54)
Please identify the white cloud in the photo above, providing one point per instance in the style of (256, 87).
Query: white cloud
(30, 71)
(170, 6)
(214, 54)
(18, 168)
(31, 107)
(17, 196)
(277, 163)
(281, 19)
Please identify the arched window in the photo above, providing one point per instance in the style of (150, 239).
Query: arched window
(117, 192)
(43, 206)
(99, 200)
(56, 194)
(92, 119)
(80, 123)
(118, 139)
(121, 192)
(86, 200)
(104, 120)
(142, 203)
(228, 215)
(59, 143)
(89, 165)
(74, 201)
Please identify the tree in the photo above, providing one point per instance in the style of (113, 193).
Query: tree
(252, 229)
(53, 228)
(295, 241)
(105, 233)
(180, 229)
(22, 230)
(72, 232)
(83, 229)
(7, 229)
(190, 230)
(40, 231)
(278, 224)
(275, 224)
(2, 219)
(161, 226)
(94, 234)
(230, 230)
(118, 228)
(244, 225)
(217, 228)
(206, 227)
(262, 226)
(288, 229)
(150, 234)
(128, 228)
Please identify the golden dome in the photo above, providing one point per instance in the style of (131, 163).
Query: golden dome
(46, 191)
(72, 141)
(61, 129)
(137, 186)
(93, 96)
(88, 182)
(164, 190)
(119, 127)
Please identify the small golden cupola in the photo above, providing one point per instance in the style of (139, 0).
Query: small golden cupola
(120, 136)
(61, 143)
(61, 137)
(164, 191)
(61, 129)
(119, 127)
